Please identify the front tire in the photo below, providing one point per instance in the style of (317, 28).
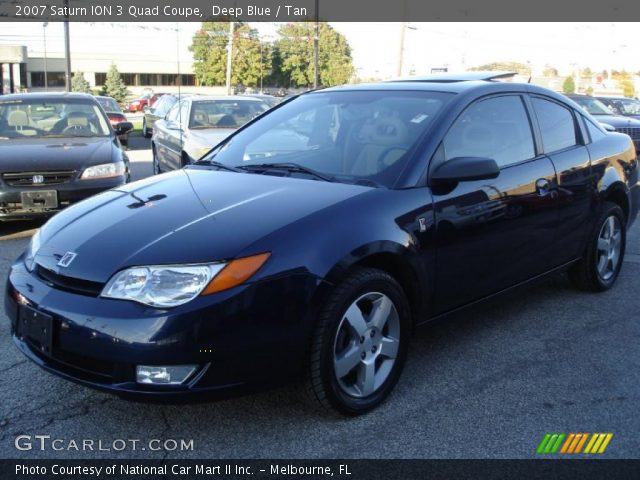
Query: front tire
(155, 161)
(600, 266)
(145, 130)
(359, 344)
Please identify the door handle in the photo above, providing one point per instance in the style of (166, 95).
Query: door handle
(543, 186)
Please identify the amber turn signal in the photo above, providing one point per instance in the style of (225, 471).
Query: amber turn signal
(236, 272)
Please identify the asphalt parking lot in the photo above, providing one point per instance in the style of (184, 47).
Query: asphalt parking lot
(488, 384)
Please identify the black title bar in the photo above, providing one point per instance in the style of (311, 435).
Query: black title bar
(305, 10)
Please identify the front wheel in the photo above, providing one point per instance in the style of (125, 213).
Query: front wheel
(359, 344)
(145, 131)
(600, 265)
(156, 161)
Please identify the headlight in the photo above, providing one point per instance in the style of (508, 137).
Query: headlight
(32, 250)
(165, 286)
(161, 285)
(106, 170)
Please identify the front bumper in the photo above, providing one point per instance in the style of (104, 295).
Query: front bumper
(243, 338)
(11, 207)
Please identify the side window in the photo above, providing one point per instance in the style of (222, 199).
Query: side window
(172, 116)
(496, 128)
(556, 125)
(594, 132)
(184, 113)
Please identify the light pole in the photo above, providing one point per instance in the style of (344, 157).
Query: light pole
(316, 39)
(403, 27)
(67, 50)
(229, 57)
(44, 37)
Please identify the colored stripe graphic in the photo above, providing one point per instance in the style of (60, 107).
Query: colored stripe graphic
(596, 443)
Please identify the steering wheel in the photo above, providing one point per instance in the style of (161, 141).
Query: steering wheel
(77, 129)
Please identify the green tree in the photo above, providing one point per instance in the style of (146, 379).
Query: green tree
(520, 68)
(114, 86)
(587, 72)
(295, 55)
(79, 83)
(252, 59)
(550, 71)
(569, 85)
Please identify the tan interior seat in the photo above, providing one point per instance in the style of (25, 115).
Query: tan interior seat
(19, 121)
(384, 142)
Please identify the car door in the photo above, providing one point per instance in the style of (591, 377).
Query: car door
(564, 143)
(164, 141)
(493, 234)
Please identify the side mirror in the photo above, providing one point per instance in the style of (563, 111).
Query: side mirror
(171, 125)
(607, 127)
(124, 127)
(466, 169)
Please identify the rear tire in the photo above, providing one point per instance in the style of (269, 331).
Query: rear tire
(359, 344)
(600, 265)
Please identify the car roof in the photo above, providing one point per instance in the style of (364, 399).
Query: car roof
(209, 98)
(48, 96)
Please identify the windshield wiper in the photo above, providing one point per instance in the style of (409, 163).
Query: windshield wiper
(219, 165)
(288, 167)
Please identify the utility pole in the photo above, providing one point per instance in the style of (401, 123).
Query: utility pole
(67, 50)
(229, 57)
(316, 39)
(44, 36)
(403, 27)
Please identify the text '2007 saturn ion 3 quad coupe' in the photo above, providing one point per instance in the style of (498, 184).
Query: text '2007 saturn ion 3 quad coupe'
(312, 240)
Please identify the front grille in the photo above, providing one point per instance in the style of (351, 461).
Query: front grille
(31, 179)
(69, 284)
(633, 132)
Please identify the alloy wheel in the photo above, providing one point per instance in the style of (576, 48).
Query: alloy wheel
(366, 344)
(608, 247)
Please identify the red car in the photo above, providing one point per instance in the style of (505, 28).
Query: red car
(138, 104)
(117, 119)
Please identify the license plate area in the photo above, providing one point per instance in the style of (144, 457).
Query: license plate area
(36, 327)
(40, 199)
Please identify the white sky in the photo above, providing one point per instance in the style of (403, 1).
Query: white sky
(375, 45)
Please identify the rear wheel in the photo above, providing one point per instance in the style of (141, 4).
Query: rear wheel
(359, 344)
(598, 269)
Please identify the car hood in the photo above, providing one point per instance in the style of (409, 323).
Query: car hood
(193, 215)
(209, 136)
(46, 154)
(617, 121)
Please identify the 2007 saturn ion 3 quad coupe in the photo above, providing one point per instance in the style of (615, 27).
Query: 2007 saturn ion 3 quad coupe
(311, 241)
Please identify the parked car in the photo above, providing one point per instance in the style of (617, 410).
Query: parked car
(139, 104)
(195, 125)
(55, 150)
(158, 112)
(244, 269)
(117, 119)
(268, 99)
(604, 115)
(628, 107)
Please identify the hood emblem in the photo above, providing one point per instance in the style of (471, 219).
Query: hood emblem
(38, 179)
(66, 259)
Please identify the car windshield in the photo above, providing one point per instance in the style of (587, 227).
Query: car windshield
(109, 104)
(224, 113)
(592, 105)
(349, 136)
(627, 106)
(35, 118)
